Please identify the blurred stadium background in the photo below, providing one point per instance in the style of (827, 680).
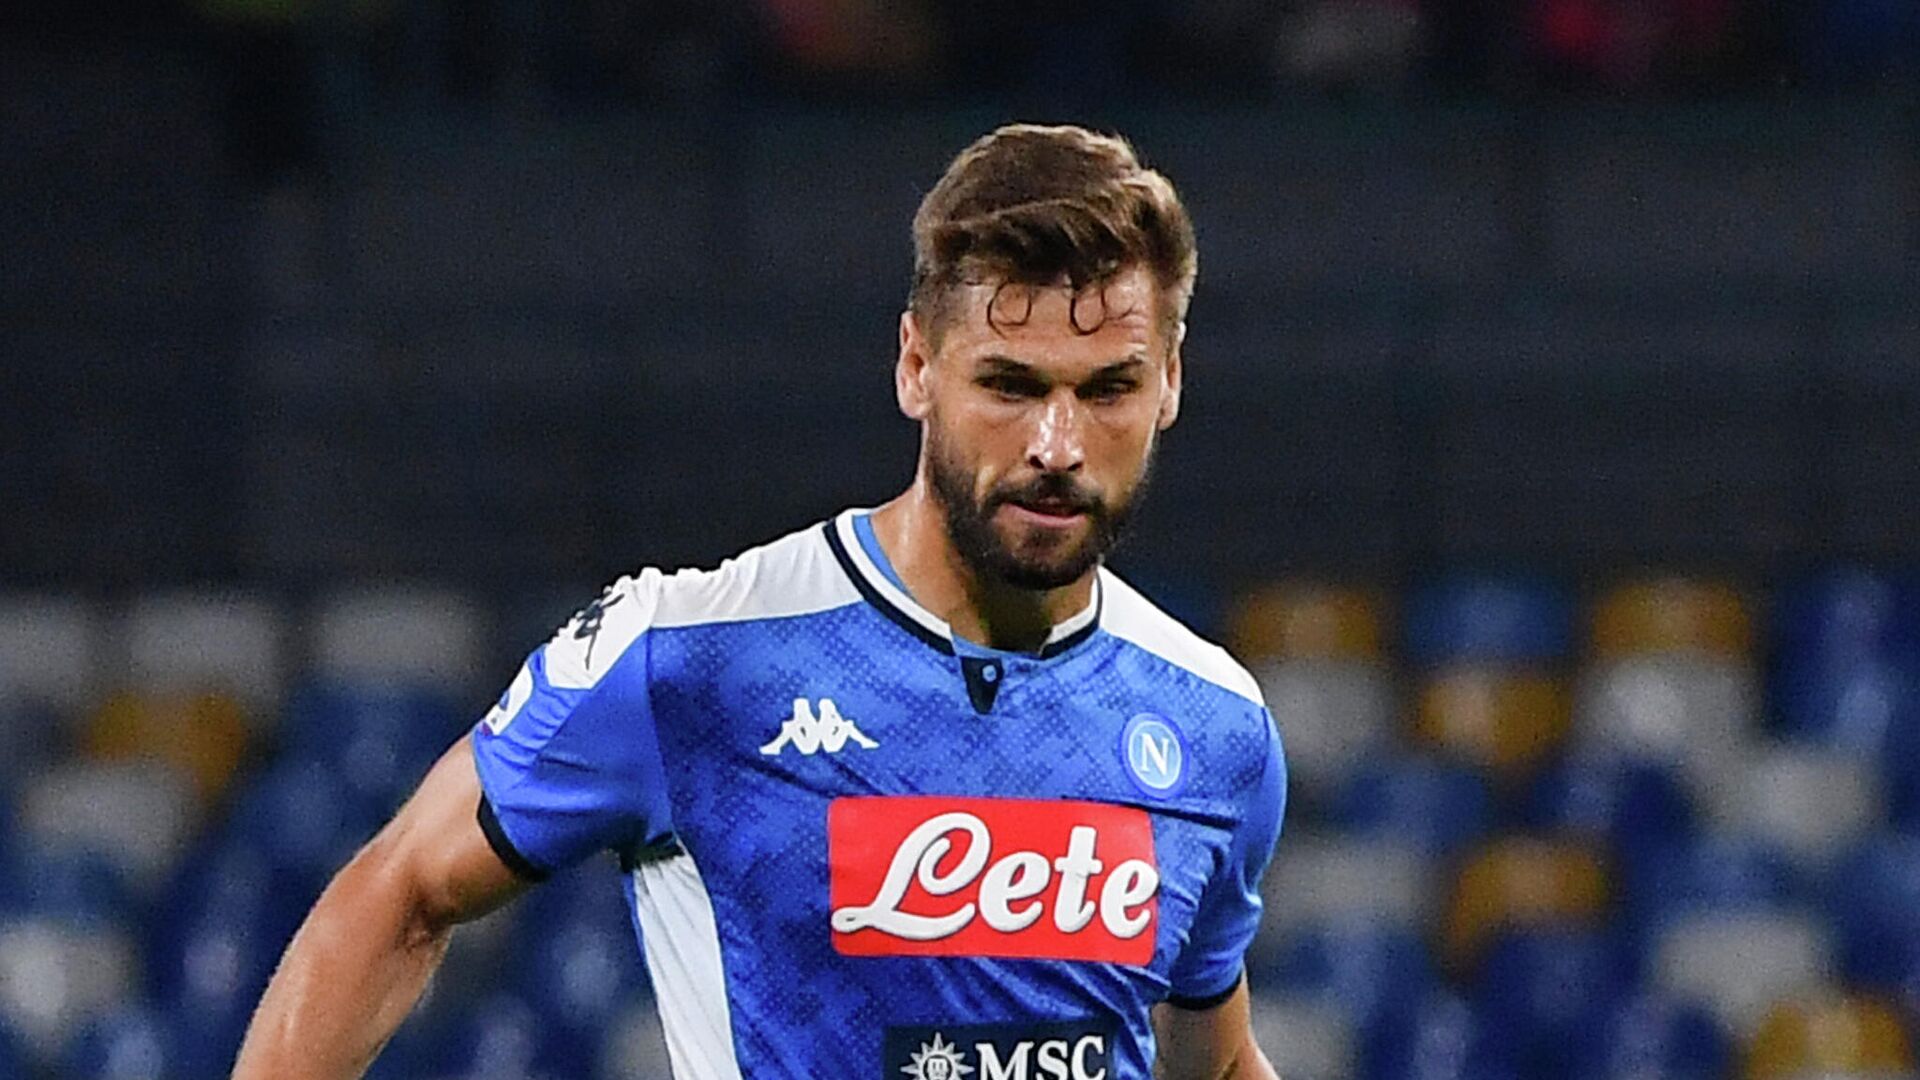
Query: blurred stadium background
(1552, 453)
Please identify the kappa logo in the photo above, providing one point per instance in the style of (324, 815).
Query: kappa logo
(810, 734)
(588, 620)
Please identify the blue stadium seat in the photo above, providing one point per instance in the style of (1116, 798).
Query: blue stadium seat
(504, 1036)
(70, 884)
(1715, 873)
(1866, 706)
(576, 956)
(1489, 620)
(300, 816)
(1873, 898)
(633, 1044)
(379, 739)
(1439, 1038)
(30, 737)
(1651, 1035)
(594, 890)
(1883, 961)
(130, 1043)
(214, 943)
(1180, 594)
(1625, 801)
(13, 1057)
(9, 864)
(1370, 970)
(1843, 616)
(1542, 987)
(579, 972)
(428, 1047)
(1436, 807)
(1902, 776)
(233, 879)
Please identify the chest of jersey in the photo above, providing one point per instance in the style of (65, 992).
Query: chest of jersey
(843, 792)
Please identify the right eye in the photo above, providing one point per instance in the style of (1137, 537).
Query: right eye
(1014, 386)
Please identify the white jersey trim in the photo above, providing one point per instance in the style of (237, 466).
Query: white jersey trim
(794, 575)
(681, 941)
(591, 642)
(1132, 617)
(907, 605)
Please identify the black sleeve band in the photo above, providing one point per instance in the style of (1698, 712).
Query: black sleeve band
(1202, 1004)
(503, 847)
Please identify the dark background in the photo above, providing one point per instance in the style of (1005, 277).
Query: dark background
(1551, 453)
(465, 291)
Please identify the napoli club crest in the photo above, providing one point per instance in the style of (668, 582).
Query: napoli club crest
(1154, 751)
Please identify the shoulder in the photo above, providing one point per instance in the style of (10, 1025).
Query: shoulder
(600, 634)
(793, 575)
(1133, 618)
(1232, 731)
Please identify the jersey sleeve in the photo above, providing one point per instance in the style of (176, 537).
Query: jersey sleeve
(1209, 967)
(568, 759)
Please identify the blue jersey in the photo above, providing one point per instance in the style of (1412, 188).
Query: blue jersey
(855, 847)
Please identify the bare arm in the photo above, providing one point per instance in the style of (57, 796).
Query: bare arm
(1210, 1044)
(364, 955)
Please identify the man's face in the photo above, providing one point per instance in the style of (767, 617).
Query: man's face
(1041, 408)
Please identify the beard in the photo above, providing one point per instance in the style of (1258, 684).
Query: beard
(1036, 561)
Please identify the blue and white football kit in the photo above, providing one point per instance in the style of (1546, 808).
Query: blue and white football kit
(856, 847)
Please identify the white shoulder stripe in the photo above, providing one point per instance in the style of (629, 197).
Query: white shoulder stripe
(1132, 617)
(794, 575)
(586, 648)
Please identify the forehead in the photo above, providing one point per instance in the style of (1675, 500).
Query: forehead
(1056, 326)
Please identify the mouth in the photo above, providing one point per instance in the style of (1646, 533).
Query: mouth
(1048, 513)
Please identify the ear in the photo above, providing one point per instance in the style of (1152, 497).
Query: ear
(1170, 403)
(910, 373)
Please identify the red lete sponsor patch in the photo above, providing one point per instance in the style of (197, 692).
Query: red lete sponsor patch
(931, 875)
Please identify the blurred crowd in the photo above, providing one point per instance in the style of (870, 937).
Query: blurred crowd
(1252, 49)
(1668, 828)
(292, 65)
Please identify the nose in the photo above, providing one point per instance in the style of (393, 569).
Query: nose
(1057, 444)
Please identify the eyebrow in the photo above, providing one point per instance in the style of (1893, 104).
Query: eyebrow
(1008, 365)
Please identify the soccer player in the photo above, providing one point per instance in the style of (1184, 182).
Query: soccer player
(923, 791)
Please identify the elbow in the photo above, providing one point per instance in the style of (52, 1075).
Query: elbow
(385, 876)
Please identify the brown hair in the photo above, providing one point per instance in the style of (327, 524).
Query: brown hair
(1033, 205)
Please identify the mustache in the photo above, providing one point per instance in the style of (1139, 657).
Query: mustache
(1050, 488)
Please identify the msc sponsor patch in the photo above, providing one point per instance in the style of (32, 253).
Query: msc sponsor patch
(1046, 1050)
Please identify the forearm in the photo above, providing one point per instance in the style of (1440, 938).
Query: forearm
(351, 975)
(1251, 1064)
(1210, 1044)
(1247, 1063)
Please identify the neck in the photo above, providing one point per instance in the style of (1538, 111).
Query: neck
(912, 529)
